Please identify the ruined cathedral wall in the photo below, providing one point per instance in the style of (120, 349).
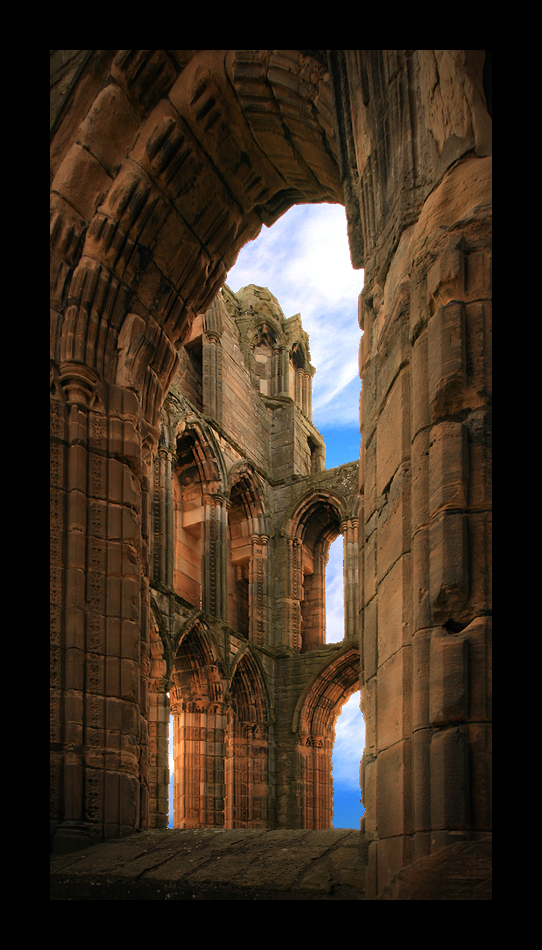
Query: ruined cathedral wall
(245, 420)
(214, 377)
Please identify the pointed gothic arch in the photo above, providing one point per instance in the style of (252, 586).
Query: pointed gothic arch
(199, 721)
(247, 743)
(314, 724)
(315, 523)
(199, 503)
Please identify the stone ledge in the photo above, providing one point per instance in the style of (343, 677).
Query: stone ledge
(208, 864)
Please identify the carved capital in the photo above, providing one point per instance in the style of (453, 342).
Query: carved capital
(79, 383)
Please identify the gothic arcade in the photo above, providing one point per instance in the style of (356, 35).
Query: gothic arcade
(243, 515)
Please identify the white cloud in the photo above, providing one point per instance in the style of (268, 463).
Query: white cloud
(349, 744)
(304, 260)
(335, 593)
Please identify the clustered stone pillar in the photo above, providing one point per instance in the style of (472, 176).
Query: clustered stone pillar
(426, 641)
(214, 558)
(212, 374)
(103, 637)
(258, 590)
(295, 584)
(350, 531)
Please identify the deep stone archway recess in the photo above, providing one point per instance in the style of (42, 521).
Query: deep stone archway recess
(163, 164)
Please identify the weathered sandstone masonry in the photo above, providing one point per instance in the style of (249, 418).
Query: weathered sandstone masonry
(164, 163)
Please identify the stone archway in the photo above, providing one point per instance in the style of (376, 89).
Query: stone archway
(314, 724)
(163, 164)
(199, 723)
(316, 522)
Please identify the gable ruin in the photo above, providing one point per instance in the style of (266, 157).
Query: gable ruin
(191, 510)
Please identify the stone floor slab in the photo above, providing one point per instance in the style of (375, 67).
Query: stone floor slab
(209, 864)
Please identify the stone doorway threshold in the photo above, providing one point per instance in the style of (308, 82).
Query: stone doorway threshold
(209, 864)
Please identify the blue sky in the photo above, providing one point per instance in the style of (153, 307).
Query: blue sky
(304, 260)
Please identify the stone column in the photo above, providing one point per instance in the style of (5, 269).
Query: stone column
(103, 766)
(350, 531)
(284, 377)
(162, 518)
(212, 375)
(305, 393)
(295, 584)
(258, 591)
(314, 603)
(299, 388)
(159, 712)
(214, 557)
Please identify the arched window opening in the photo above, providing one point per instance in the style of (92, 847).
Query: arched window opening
(315, 454)
(318, 523)
(240, 549)
(266, 361)
(315, 722)
(347, 753)
(239, 560)
(187, 494)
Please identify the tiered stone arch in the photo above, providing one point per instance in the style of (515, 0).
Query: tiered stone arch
(314, 723)
(200, 518)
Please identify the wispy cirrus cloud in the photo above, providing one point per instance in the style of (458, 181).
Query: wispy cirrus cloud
(349, 744)
(304, 260)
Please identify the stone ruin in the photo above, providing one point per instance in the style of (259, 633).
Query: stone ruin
(191, 512)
